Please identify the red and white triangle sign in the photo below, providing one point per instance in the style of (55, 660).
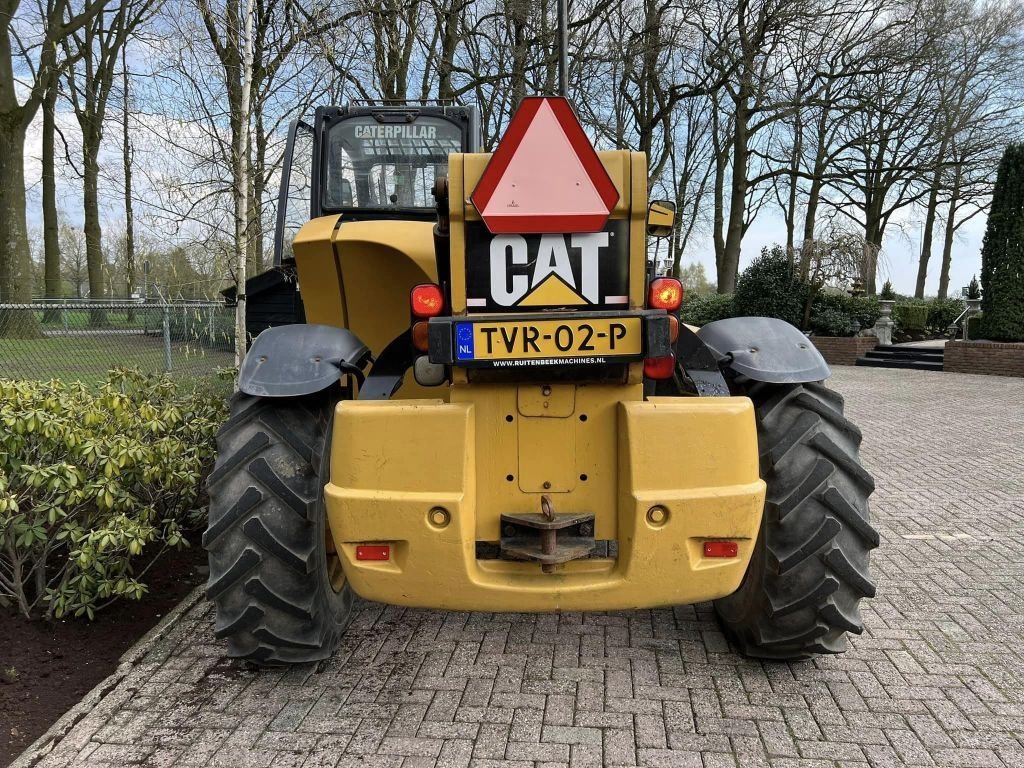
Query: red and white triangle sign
(545, 175)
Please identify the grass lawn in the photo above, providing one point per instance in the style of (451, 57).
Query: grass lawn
(88, 358)
(75, 319)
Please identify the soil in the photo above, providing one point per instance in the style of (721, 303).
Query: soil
(47, 667)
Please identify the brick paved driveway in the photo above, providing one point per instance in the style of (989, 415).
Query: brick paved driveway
(937, 678)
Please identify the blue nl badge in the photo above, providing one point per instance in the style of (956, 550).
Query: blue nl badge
(464, 341)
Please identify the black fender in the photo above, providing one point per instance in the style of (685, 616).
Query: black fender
(295, 360)
(765, 349)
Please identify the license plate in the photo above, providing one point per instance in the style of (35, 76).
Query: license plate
(580, 341)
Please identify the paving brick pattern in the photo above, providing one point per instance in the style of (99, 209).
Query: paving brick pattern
(936, 679)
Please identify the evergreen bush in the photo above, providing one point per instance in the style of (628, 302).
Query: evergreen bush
(770, 287)
(1002, 254)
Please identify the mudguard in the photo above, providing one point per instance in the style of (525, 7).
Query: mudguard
(294, 360)
(765, 349)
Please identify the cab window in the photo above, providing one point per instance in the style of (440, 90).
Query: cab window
(373, 165)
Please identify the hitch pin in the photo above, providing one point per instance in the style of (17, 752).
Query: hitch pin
(547, 537)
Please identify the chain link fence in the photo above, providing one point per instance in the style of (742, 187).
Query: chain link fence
(83, 340)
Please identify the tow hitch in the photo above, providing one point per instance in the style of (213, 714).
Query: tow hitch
(546, 537)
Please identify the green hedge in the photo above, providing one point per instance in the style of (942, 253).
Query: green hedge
(910, 318)
(705, 308)
(94, 481)
(975, 328)
(838, 314)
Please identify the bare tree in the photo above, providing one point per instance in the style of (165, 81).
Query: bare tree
(32, 53)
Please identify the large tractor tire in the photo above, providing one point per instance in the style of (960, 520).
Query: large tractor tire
(809, 569)
(277, 583)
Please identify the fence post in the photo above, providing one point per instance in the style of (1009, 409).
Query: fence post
(167, 338)
(212, 326)
(64, 314)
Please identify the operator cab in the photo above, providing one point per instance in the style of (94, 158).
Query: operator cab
(368, 162)
(383, 162)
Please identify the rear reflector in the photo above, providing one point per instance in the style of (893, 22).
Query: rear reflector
(720, 549)
(373, 552)
(660, 367)
(426, 300)
(665, 293)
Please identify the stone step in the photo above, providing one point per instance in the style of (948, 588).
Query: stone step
(900, 354)
(912, 349)
(894, 362)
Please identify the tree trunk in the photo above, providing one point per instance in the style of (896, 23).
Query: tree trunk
(929, 229)
(51, 240)
(257, 188)
(15, 258)
(794, 167)
(730, 263)
(93, 229)
(814, 195)
(129, 211)
(947, 242)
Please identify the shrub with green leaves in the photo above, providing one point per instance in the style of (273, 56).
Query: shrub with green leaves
(941, 314)
(911, 316)
(95, 484)
(770, 287)
(839, 314)
(701, 309)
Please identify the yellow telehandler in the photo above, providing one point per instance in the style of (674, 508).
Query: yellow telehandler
(493, 406)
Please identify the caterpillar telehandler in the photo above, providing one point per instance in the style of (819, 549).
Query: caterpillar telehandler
(493, 406)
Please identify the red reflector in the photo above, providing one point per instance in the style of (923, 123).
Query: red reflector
(665, 293)
(373, 552)
(660, 367)
(720, 549)
(426, 300)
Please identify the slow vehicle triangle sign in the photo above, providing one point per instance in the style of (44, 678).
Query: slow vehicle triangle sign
(545, 175)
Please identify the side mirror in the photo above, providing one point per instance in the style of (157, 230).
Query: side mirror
(661, 216)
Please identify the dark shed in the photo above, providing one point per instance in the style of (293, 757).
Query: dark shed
(272, 299)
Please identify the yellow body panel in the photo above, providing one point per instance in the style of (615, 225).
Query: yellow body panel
(358, 274)
(392, 462)
(480, 450)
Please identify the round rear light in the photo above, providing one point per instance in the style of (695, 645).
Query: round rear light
(665, 293)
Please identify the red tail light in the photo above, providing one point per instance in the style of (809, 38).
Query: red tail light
(426, 300)
(720, 549)
(665, 293)
(660, 367)
(373, 552)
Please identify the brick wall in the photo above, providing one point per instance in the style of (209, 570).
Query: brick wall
(842, 350)
(987, 357)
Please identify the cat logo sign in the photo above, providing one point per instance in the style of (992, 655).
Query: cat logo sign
(545, 176)
(549, 271)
